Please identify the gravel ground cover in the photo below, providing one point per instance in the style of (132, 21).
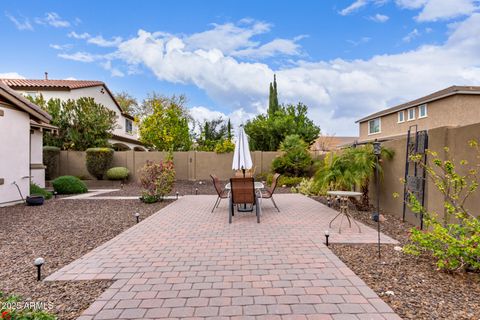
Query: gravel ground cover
(60, 231)
(410, 285)
(183, 187)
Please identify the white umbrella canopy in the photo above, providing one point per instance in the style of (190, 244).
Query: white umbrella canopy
(242, 160)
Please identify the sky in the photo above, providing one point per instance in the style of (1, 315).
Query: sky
(344, 59)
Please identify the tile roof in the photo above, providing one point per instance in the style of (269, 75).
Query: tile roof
(23, 103)
(428, 98)
(37, 83)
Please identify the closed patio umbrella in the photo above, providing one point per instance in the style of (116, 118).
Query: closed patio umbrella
(242, 160)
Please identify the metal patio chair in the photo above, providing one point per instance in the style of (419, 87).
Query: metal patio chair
(268, 193)
(221, 192)
(243, 192)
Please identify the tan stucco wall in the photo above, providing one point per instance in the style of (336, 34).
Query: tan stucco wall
(456, 138)
(37, 173)
(14, 154)
(457, 110)
(191, 165)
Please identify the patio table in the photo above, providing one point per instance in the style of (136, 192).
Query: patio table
(344, 195)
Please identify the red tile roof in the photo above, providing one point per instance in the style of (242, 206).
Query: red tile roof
(431, 97)
(68, 84)
(23, 103)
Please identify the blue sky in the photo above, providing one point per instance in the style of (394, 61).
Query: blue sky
(344, 59)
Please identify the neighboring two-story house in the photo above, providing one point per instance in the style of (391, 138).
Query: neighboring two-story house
(453, 106)
(125, 135)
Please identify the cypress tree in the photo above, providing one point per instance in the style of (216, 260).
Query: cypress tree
(273, 97)
(229, 130)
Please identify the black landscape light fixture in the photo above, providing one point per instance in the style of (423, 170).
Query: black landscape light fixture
(377, 150)
(137, 216)
(39, 263)
(55, 193)
(176, 193)
(196, 191)
(327, 234)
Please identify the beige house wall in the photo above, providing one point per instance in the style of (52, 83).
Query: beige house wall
(456, 110)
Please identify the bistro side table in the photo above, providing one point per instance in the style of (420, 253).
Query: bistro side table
(344, 195)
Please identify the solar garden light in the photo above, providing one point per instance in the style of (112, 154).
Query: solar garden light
(196, 191)
(327, 234)
(55, 193)
(377, 150)
(176, 193)
(39, 263)
(137, 217)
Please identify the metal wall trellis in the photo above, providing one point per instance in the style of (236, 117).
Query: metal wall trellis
(415, 174)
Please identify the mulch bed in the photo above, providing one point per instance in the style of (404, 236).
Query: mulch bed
(60, 231)
(420, 291)
(183, 187)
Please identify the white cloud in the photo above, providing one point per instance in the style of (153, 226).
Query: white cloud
(237, 116)
(53, 19)
(20, 25)
(79, 56)
(101, 42)
(362, 40)
(379, 18)
(61, 47)
(75, 35)
(11, 75)
(411, 35)
(270, 49)
(433, 10)
(114, 72)
(355, 6)
(337, 91)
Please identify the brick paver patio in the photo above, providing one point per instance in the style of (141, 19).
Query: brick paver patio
(185, 262)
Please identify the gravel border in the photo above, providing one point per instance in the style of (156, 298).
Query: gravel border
(60, 231)
(410, 285)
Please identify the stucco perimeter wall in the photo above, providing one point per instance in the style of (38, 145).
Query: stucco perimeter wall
(456, 139)
(189, 165)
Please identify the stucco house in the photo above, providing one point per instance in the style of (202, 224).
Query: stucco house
(125, 135)
(452, 106)
(21, 140)
(325, 143)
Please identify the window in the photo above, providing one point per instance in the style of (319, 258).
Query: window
(411, 114)
(374, 126)
(422, 111)
(401, 116)
(128, 126)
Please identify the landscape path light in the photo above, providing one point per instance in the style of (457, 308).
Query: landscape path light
(39, 263)
(377, 150)
(327, 234)
(137, 217)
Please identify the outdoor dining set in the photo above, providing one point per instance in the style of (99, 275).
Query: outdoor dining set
(243, 192)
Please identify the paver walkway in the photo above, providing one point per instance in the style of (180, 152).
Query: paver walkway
(186, 262)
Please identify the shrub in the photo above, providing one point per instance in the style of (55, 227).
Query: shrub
(8, 309)
(50, 160)
(454, 245)
(285, 180)
(224, 146)
(307, 187)
(98, 161)
(37, 190)
(118, 173)
(296, 160)
(157, 179)
(69, 185)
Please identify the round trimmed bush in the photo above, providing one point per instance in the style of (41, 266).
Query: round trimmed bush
(50, 160)
(98, 161)
(69, 185)
(117, 173)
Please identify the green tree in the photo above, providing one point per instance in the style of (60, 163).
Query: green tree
(212, 132)
(266, 132)
(273, 97)
(127, 102)
(82, 123)
(166, 127)
(296, 159)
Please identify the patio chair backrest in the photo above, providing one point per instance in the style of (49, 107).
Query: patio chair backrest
(216, 184)
(243, 190)
(274, 182)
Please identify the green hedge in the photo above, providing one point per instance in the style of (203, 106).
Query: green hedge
(98, 160)
(69, 185)
(285, 180)
(50, 160)
(117, 173)
(37, 190)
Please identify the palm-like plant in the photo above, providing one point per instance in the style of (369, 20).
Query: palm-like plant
(350, 169)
